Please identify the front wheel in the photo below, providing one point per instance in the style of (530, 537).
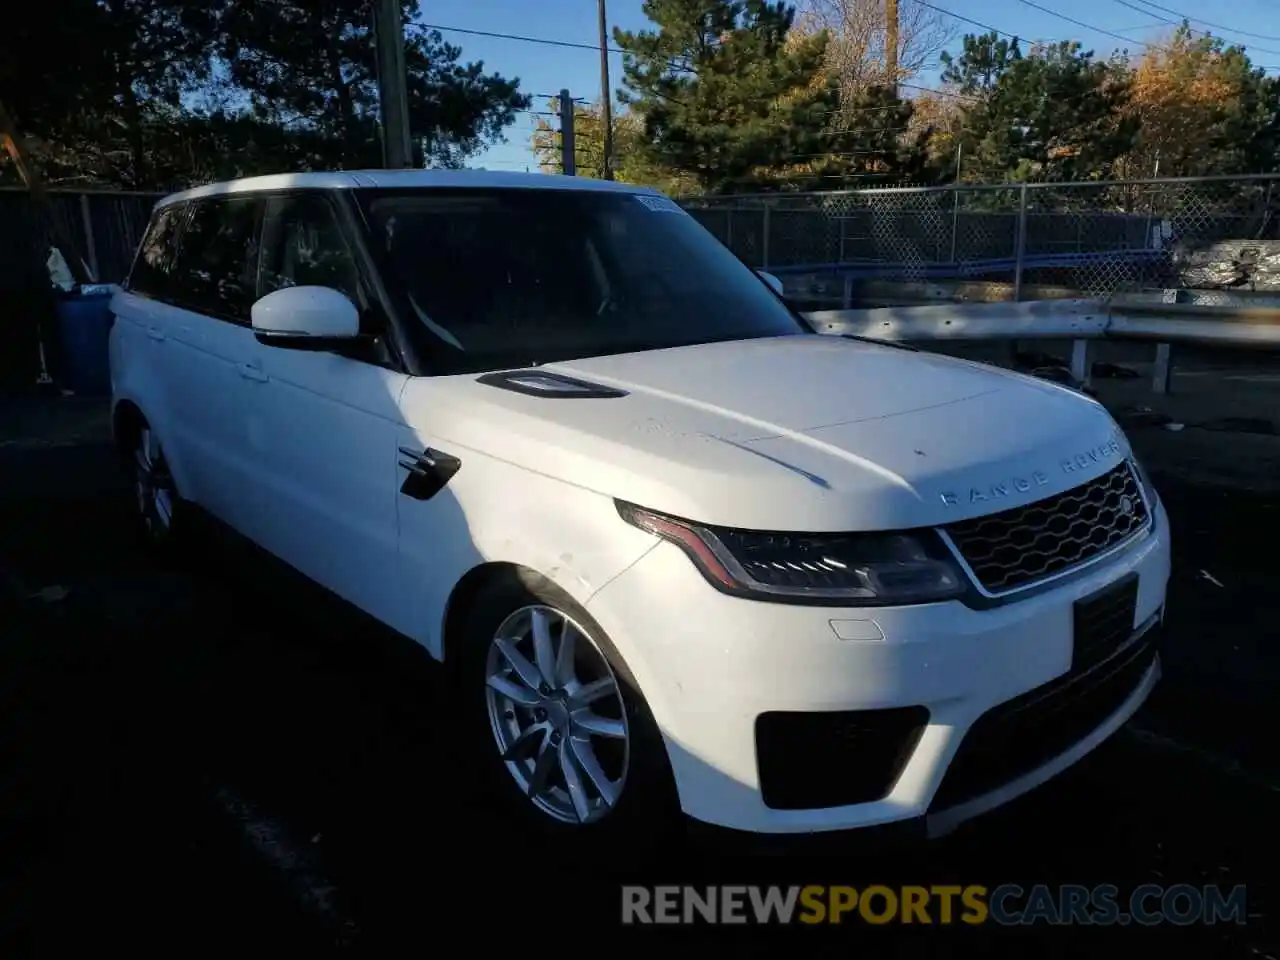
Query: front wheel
(567, 741)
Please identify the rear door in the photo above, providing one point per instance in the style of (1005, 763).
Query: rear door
(142, 370)
(207, 344)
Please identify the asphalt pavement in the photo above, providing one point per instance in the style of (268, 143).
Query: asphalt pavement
(215, 754)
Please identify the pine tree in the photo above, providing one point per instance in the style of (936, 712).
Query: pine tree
(723, 91)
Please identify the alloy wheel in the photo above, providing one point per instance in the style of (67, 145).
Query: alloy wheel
(153, 486)
(557, 715)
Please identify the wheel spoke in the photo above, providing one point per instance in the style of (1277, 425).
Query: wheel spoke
(564, 656)
(600, 726)
(542, 769)
(573, 780)
(516, 692)
(526, 670)
(163, 506)
(525, 745)
(593, 691)
(586, 757)
(543, 653)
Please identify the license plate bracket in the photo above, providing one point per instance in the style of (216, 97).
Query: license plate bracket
(1103, 622)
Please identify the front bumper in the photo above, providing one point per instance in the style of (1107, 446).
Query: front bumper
(710, 666)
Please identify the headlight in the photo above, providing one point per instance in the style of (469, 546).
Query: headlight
(837, 569)
(1148, 488)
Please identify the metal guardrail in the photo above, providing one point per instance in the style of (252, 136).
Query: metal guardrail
(1080, 321)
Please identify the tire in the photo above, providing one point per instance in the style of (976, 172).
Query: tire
(550, 783)
(158, 509)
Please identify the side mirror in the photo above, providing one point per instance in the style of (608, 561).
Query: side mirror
(305, 318)
(772, 281)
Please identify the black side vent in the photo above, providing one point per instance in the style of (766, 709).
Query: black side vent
(553, 386)
(813, 761)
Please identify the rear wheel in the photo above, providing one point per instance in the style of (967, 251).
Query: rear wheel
(565, 739)
(156, 500)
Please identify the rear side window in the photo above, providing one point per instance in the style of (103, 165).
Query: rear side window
(152, 274)
(216, 272)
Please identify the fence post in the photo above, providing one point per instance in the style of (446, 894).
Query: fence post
(1020, 243)
(764, 243)
(1019, 254)
(955, 219)
(1162, 373)
(90, 243)
(1081, 368)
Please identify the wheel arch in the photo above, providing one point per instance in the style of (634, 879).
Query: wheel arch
(127, 422)
(471, 586)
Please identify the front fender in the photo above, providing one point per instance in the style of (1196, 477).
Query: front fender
(496, 512)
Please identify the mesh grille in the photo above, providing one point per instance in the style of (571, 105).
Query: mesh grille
(1017, 547)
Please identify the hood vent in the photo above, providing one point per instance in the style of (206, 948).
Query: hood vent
(553, 386)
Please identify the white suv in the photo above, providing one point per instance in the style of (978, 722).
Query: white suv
(677, 550)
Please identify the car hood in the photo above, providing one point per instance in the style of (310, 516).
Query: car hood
(808, 432)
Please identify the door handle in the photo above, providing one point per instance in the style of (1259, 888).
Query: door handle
(155, 333)
(250, 372)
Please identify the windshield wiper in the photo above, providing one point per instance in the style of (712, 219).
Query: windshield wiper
(884, 343)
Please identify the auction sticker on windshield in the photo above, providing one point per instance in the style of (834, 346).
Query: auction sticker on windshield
(660, 204)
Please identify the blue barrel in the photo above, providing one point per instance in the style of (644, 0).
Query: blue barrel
(84, 323)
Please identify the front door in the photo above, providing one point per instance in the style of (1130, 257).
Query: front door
(323, 427)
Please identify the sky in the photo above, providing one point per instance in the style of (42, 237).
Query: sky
(546, 69)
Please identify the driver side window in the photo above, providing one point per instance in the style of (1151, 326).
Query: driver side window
(303, 245)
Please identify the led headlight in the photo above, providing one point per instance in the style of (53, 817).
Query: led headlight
(1148, 488)
(839, 569)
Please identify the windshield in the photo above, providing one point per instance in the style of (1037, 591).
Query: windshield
(505, 278)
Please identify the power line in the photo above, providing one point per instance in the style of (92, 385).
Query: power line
(1060, 16)
(1086, 26)
(1214, 26)
(1014, 36)
(545, 41)
(973, 23)
(1203, 33)
(1109, 33)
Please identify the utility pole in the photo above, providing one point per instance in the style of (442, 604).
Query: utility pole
(891, 43)
(568, 165)
(606, 95)
(388, 32)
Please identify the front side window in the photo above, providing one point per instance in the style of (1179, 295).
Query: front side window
(504, 278)
(303, 245)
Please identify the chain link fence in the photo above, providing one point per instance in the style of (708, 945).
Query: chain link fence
(1010, 241)
(905, 244)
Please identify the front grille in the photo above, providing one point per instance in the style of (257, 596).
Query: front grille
(1015, 548)
(810, 761)
(1024, 733)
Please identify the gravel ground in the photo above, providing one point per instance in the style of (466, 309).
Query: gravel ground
(217, 754)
